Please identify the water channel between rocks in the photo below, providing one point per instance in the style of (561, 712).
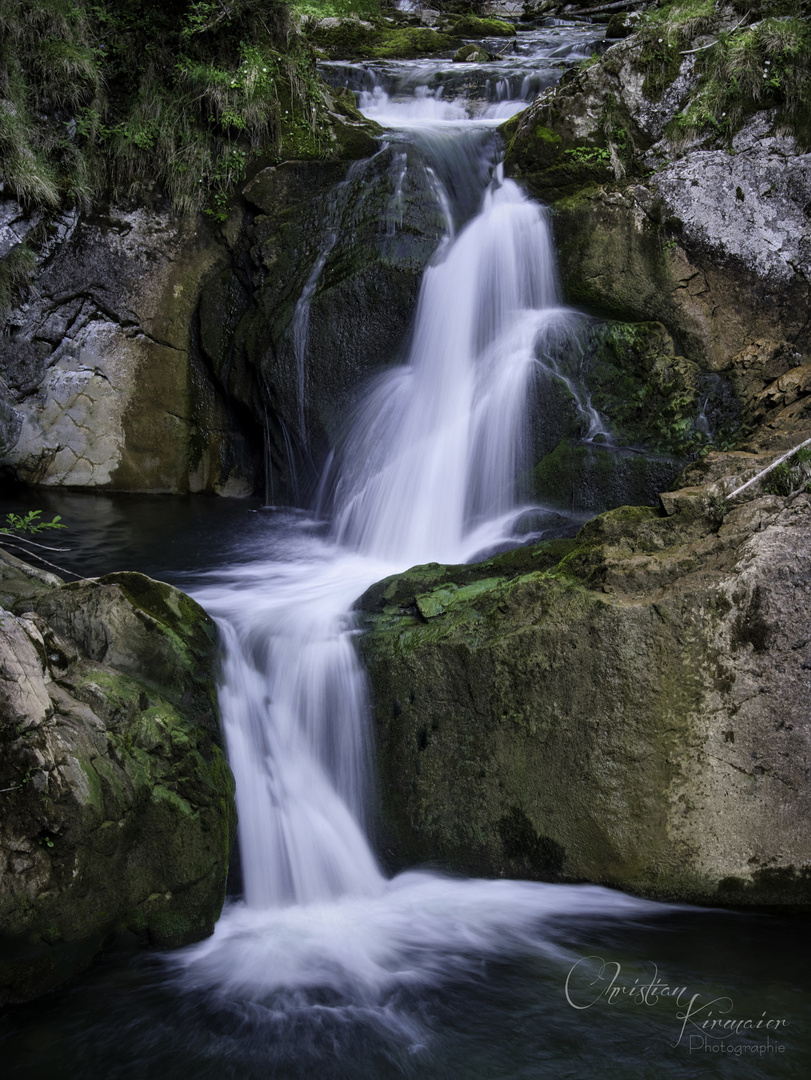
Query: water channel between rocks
(326, 967)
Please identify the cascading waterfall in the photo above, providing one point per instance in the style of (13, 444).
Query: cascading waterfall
(426, 470)
(436, 446)
(328, 968)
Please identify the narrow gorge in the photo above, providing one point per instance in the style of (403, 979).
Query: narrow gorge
(467, 401)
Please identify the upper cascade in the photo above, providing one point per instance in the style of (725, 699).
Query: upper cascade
(435, 447)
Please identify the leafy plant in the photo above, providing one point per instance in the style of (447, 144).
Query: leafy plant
(31, 524)
(588, 155)
(18, 530)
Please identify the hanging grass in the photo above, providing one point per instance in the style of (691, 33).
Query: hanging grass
(766, 66)
(135, 95)
(747, 57)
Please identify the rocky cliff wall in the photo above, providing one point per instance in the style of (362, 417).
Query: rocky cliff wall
(100, 383)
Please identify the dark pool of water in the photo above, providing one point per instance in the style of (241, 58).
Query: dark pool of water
(506, 1019)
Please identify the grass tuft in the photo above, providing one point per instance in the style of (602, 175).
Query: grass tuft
(15, 274)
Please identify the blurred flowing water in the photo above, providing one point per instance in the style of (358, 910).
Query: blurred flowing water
(326, 967)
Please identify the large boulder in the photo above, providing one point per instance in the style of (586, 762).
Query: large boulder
(117, 802)
(634, 713)
(627, 707)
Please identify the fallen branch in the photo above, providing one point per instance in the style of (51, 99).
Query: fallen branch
(39, 558)
(618, 5)
(768, 469)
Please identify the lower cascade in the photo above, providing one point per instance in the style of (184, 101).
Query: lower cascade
(428, 468)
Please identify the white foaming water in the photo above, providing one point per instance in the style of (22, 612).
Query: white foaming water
(436, 446)
(426, 471)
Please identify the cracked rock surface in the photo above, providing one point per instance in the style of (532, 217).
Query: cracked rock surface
(116, 803)
(99, 385)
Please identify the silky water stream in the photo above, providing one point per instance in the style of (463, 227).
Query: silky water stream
(326, 967)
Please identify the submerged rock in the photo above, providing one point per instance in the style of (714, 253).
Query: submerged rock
(117, 802)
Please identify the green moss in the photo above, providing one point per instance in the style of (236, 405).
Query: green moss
(351, 41)
(545, 133)
(469, 26)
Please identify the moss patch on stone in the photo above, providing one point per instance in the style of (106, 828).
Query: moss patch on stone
(471, 26)
(352, 41)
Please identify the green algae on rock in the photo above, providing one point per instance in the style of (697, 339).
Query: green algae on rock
(118, 813)
(353, 40)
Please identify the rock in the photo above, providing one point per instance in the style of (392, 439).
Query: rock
(117, 803)
(631, 710)
(656, 410)
(621, 24)
(101, 386)
(470, 26)
(580, 476)
(350, 40)
(705, 235)
(336, 254)
(471, 54)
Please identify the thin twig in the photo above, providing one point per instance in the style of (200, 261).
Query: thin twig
(39, 558)
(768, 469)
(13, 538)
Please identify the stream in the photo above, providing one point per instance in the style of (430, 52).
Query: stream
(322, 964)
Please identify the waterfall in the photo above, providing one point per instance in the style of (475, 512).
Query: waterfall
(427, 469)
(436, 446)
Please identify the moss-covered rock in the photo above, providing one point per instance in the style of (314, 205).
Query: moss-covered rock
(629, 711)
(118, 812)
(471, 54)
(471, 26)
(654, 220)
(353, 40)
